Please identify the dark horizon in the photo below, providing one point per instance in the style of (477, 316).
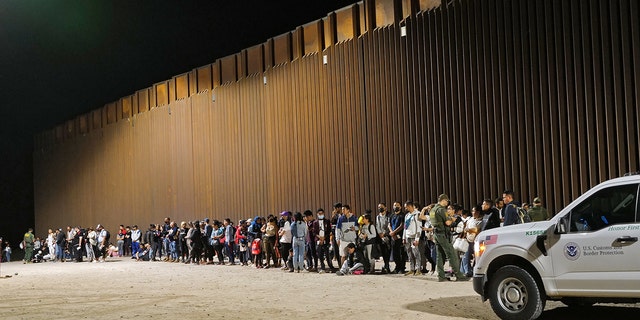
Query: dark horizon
(66, 59)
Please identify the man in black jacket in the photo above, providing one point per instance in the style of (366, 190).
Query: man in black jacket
(354, 262)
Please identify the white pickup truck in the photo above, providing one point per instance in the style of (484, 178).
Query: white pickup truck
(587, 253)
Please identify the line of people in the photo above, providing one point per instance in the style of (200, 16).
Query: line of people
(408, 235)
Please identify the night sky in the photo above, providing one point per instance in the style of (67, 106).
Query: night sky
(60, 59)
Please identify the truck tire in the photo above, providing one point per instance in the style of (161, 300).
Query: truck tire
(514, 294)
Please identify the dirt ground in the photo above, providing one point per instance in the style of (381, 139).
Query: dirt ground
(123, 288)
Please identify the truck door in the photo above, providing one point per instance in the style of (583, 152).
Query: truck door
(599, 255)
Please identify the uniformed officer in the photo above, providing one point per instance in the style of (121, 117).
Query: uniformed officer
(441, 224)
(27, 244)
(538, 212)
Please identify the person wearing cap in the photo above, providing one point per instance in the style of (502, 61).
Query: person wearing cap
(442, 232)
(27, 244)
(538, 212)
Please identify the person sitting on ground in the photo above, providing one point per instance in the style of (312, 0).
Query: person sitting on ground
(353, 261)
(144, 254)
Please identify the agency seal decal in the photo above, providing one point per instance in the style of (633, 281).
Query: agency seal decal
(572, 251)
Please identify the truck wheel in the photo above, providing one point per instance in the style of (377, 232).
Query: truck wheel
(514, 294)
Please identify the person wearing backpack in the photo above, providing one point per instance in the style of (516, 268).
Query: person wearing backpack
(510, 210)
(103, 242)
(368, 238)
(299, 231)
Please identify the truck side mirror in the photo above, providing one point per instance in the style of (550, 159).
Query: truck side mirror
(561, 226)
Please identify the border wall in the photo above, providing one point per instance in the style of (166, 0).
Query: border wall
(380, 101)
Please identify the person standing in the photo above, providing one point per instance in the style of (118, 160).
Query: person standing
(510, 210)
(51, 244)
(426, 245)
(499, 205)
(322, 230)
(172, 236)
(311, 249)
(61, 241)
(135, 241)
(538, 212)
(195, 235)
(472, 228)
(122, 232)
(396, 227)
(382, 225)
(490, 215)
(90, 244)
(79, 243)
(335, 215)
(411, 238)
(27, 244)
(103, 242)
(299, 231)
(442, 231)
(183, 249)
(229, 240)
(269, 237)
(284, 232)
(71, 232)
(7, 251)
(368, 238)
(346, 230)
(208, 247)
(217, 234)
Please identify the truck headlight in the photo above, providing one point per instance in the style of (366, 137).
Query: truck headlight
(478, 248)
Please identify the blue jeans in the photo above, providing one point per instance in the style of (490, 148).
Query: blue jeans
(465, 266)
(172, 250)
(59, 252)
(298, 253)
(135, 248)
(230, 253)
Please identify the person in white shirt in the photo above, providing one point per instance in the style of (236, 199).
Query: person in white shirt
(51, 244)
(135, 241)
(285, 238)
(411, 237)
(471, 229)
